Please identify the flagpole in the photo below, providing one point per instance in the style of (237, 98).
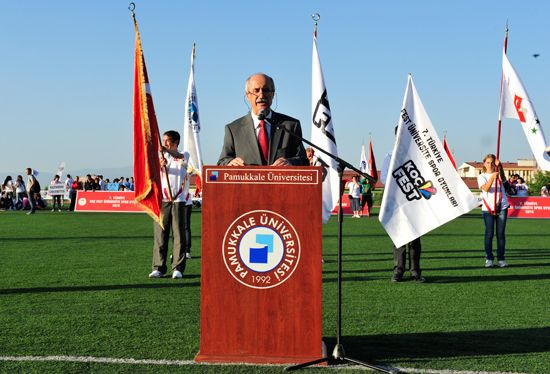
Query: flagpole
(132, 8)
(500, 118)
(338, 353)
(501, 94)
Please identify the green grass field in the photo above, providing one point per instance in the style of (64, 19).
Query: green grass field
(76, 285)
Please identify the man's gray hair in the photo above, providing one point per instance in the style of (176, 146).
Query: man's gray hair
(269, 79)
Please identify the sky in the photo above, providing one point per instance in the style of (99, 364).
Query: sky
(67, 72)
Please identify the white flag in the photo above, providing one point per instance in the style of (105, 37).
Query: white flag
(322, 134)
(60, 169)
(423, 190)
(364, 164)
(516, 104)
(191, 127)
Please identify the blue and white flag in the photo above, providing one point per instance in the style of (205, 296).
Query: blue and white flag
(192, 127)
(423, 190)
(322, 134)
(363, 164)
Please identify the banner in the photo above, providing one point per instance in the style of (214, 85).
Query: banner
(106, 201)
(423, 190)
(322, 134)
(529, 207)
(516, 104)
(57, 189)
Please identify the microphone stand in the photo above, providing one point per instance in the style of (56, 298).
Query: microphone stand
(338, 354)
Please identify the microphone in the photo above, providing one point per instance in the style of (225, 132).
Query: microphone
(263, 114)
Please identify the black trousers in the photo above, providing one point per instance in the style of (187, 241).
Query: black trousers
(400, 257)
(187, 227)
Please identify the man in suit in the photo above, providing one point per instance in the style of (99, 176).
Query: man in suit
(256, 139)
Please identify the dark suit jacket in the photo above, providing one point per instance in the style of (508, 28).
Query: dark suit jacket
(241, 141)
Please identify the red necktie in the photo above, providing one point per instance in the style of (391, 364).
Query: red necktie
(262, 139)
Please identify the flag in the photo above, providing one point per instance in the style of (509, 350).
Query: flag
(147, 183)
(363, 164)
(322, 134)
(516, 104)
(368, 167)
(423, 191)
(60, 169)
(192, 128)
(373, 172)
(448, 151)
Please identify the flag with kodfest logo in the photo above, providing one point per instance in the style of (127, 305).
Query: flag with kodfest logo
(516, 104)
(192, 127)
(423, 190)
(322, 134)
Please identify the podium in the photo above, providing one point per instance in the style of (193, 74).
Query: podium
(261, 278)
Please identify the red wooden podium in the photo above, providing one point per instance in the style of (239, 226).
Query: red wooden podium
(261, 283)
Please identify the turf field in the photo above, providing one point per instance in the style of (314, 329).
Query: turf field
(76, 285)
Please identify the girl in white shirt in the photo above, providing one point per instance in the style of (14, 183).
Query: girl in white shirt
(354, 196)
(494, 208)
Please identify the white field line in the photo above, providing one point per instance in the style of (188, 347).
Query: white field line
(132, 361)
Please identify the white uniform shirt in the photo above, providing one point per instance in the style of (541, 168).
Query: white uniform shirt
(354, 190)
(179, 180)
(489, 197)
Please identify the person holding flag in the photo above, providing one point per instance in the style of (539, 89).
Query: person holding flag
(422, 188)
(494, 208)
(258, 138)
(174, 200)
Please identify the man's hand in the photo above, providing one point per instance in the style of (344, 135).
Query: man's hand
(281, 162)
(237, 161)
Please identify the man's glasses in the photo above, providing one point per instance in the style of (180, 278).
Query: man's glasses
(257, 91)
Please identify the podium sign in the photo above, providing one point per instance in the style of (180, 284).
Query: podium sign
(261, 280)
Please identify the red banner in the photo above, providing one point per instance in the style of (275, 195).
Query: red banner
(106, 201)
(346, 208)
(529, 207)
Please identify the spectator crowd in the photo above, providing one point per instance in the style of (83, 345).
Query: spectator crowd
(26, 193)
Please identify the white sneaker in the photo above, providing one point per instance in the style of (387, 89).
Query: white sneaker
(502, 264)
(155, 274)
(177, 274)
(188, 255)
(488, 263)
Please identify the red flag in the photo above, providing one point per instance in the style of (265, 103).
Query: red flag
(148, 191)
(372, 163)
(446, 147)
(198, 185)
